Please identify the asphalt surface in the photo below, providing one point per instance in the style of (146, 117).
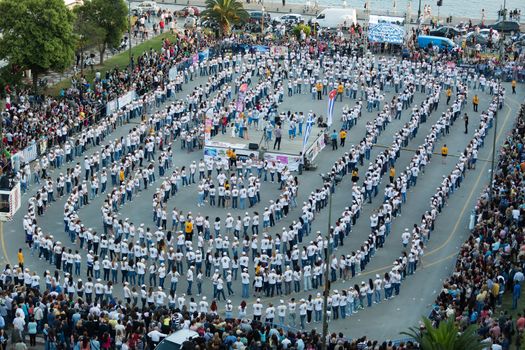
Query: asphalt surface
(382, 321)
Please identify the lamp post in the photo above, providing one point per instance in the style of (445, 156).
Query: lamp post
(419, 11)
(326, 274)
(493, 160)
(129, 35)
(262, 21)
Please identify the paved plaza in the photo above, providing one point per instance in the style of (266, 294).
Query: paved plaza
(417, 292)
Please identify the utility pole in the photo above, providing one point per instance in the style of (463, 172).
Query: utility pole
(129, 36)
(262, 21)
(419, 12)
(493, 161)
(327, 271)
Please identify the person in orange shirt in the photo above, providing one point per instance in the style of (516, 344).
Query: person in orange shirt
(319, 87)
(513, 84)
(20, 258)
(444, 153)
(342, 137)
(340, 90)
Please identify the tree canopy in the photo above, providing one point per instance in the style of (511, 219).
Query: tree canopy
(37, 35)
(226, 13)
(109, 17)
(446, 336)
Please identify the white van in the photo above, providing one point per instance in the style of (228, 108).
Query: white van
(336, 17)
(175, 340)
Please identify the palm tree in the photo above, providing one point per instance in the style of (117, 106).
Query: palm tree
(225, 13)
(445, 337)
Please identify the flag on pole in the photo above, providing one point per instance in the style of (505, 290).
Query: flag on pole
(331, 102)
(309, 124)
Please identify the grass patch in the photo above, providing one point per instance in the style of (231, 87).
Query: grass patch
(120, 60)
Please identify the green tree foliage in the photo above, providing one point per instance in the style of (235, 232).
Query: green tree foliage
(88, 34)
(445, 337)
(37, 35)
(226, 13)
(108, 17)
(301, 28)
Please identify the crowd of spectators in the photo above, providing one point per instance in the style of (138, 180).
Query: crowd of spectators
(491, 261)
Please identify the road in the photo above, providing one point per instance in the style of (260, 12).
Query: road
(382, 321)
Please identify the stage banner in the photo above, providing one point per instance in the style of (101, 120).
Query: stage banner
(279, 51)
(316, 148)
(30, 153)
(281, 160)
(331, 102)
(239, 105)
(220, 153)
(172, 73)
(309, 125)
(207, 129)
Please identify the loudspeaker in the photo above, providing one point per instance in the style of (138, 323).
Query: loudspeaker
(253, 146)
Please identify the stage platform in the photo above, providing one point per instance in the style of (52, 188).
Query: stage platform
(289, 153)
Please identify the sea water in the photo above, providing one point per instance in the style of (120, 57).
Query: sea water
(467, 8)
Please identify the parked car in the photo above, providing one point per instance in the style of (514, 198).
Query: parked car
(447, 32)
(256, 17)
(175, 340)
(505, 26)
(292, 18)
(148, 6)
(189, 11)
(473, 38)
(486, 33)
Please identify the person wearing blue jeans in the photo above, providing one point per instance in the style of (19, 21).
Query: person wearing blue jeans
(516, 294)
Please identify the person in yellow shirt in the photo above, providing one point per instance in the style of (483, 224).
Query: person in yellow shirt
(355, 175)
(188, 230)
(319, 87)
(444, 153)
(392, 174)
(342, 137)
(20, 258)
(121, 175)
(449, 94)
(340, 90)
(475, 102)
(513, 86)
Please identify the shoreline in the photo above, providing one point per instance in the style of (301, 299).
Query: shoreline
(276, 7)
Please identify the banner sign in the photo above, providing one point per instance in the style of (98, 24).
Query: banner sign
(30, 153)
(279, 51)
(316, 148)
(16, 160)
(172, 73)
(331, 102)
(220, 153)
(281, 160)
(239, 105)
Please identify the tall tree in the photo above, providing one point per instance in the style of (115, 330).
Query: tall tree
(226, 13)
(446, 336)
(37, 35)
(88, 34)
(110, 19)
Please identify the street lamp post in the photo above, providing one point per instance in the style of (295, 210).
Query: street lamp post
(262, 21)
(327, 271)
(129, 35)
(419, 11)
(493, 161)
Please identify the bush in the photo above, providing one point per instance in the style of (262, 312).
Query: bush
(301, 28)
